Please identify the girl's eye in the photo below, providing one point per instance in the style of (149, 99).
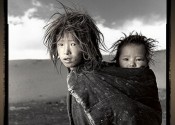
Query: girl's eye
(73, 44)
(60, 44)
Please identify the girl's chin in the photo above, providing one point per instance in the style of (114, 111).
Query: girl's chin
(70, 67)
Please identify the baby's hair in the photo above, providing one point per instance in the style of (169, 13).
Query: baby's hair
(83, 29)
(137, 39)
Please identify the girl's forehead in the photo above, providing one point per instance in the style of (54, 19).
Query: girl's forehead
(66, 36)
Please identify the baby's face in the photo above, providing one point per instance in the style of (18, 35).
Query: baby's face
(132, 56)
(69, 51)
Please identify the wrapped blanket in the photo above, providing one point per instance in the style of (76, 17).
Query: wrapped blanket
(117, 96)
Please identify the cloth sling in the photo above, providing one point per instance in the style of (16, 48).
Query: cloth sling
(111, 95)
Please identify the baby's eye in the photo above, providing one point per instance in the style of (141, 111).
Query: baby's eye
(125, 59)
(140, 59)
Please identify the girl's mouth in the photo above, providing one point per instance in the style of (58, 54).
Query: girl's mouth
(67, 60)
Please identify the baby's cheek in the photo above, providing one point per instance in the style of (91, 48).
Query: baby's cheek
(144, 64)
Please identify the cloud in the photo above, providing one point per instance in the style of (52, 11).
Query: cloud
(36, 3)
(111, 10)
(118, 11)
(156, 31)
(26, 36)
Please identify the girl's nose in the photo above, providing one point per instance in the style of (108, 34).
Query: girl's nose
(67, 50)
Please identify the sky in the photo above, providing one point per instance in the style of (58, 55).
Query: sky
(27, 18)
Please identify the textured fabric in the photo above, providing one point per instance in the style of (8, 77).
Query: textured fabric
(114, 96)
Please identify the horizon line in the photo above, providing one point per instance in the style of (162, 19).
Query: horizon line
(50, 59)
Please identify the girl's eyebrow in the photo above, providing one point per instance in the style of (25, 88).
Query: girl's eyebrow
(61, 40)
(64, 40)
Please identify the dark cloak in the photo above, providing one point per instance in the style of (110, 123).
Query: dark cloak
(109, 95)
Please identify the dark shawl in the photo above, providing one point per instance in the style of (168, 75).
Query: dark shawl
(111, 95)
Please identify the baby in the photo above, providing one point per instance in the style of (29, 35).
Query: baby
(134, 51)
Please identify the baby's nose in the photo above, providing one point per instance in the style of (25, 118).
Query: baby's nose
(132, 64)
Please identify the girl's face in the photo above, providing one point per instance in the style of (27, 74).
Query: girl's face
(69, 51)
(132, 56)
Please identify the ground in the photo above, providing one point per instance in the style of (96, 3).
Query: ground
(53, 112)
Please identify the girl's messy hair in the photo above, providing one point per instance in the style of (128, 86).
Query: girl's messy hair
(137, 39)
(83, 29)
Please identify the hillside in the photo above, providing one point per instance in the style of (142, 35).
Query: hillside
(38, 79)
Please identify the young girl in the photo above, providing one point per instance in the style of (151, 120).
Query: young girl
(133, 51)
(74, 38)
(95, 93)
